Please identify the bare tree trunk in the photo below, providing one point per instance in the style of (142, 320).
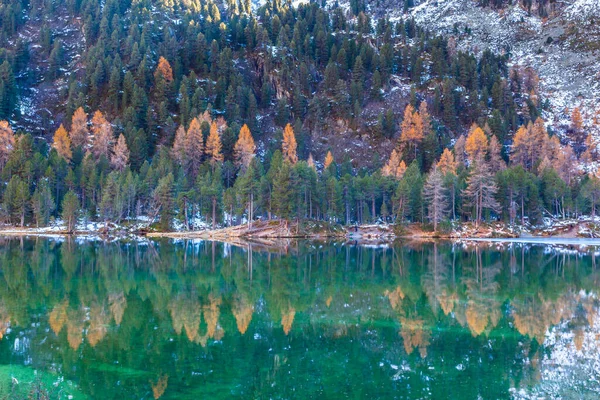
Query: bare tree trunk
(522, 209)
(214, 212)
(373, 207)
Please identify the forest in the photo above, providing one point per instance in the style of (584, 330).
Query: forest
(214, 115)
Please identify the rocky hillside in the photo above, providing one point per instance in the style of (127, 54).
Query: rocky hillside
(562, 44)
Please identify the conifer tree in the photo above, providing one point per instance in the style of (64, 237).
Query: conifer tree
(178, 150)
(70, 210)
(43, 204)
(497, 164)
(289, 145)
(120, 154)
(62, 143)
(164, 70)
(103, 135)
(446, 164)
(425, 118)
(283, 192)
(591, 192)
(481, 189)
(521, 148)
(16, 200)
(80, 134)
(476, 145)
(412, 129)
(408, 196)
(214, 146)
(460, 151)
(591, 150)
(7, 142)
(434, 194)
(244, 148)
(247, 187)
(194, 147)
(163, 201)
(311, 162)
(576, 120)
(448, 168)
(328, 160)
(395, 167)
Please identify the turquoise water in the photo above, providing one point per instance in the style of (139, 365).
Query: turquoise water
(303, 320)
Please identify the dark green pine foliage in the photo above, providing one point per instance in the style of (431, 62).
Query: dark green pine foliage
(307, 66)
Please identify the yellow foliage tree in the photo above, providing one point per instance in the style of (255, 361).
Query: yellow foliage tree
(311, 161)
(576, 120)
(520, 147)
(80, 134)
(214, 146)
(244, 148)
(289, 145)
(591, 150)
(447, 164)
(164, 69)
(395, 166)
(412, 128)
(328, 159)
(476, 144)
(7, 142)
(62, 143)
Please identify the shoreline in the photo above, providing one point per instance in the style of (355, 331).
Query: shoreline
(244, 240)
(559, 232)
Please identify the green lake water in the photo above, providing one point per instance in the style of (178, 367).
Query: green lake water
(303, 320)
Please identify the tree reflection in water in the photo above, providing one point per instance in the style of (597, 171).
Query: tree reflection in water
(182, 319)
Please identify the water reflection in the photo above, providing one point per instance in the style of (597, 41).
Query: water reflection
(190, 319)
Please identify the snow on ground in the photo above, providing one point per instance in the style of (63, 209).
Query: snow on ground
(569, 67)
(568, 71)
(583, 9)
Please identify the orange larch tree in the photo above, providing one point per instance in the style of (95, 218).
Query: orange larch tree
(214, 146)
(80, 134)
(476, 144)
(164, 69)
(62, 143)
(311, 162)
(395, 167)
(412, 129)
(289, 145)
(446, 164)
(328, 160)
(244, 148)
(7, 142)
(576, 120)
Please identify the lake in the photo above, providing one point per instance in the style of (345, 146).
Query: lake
(300, 320)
